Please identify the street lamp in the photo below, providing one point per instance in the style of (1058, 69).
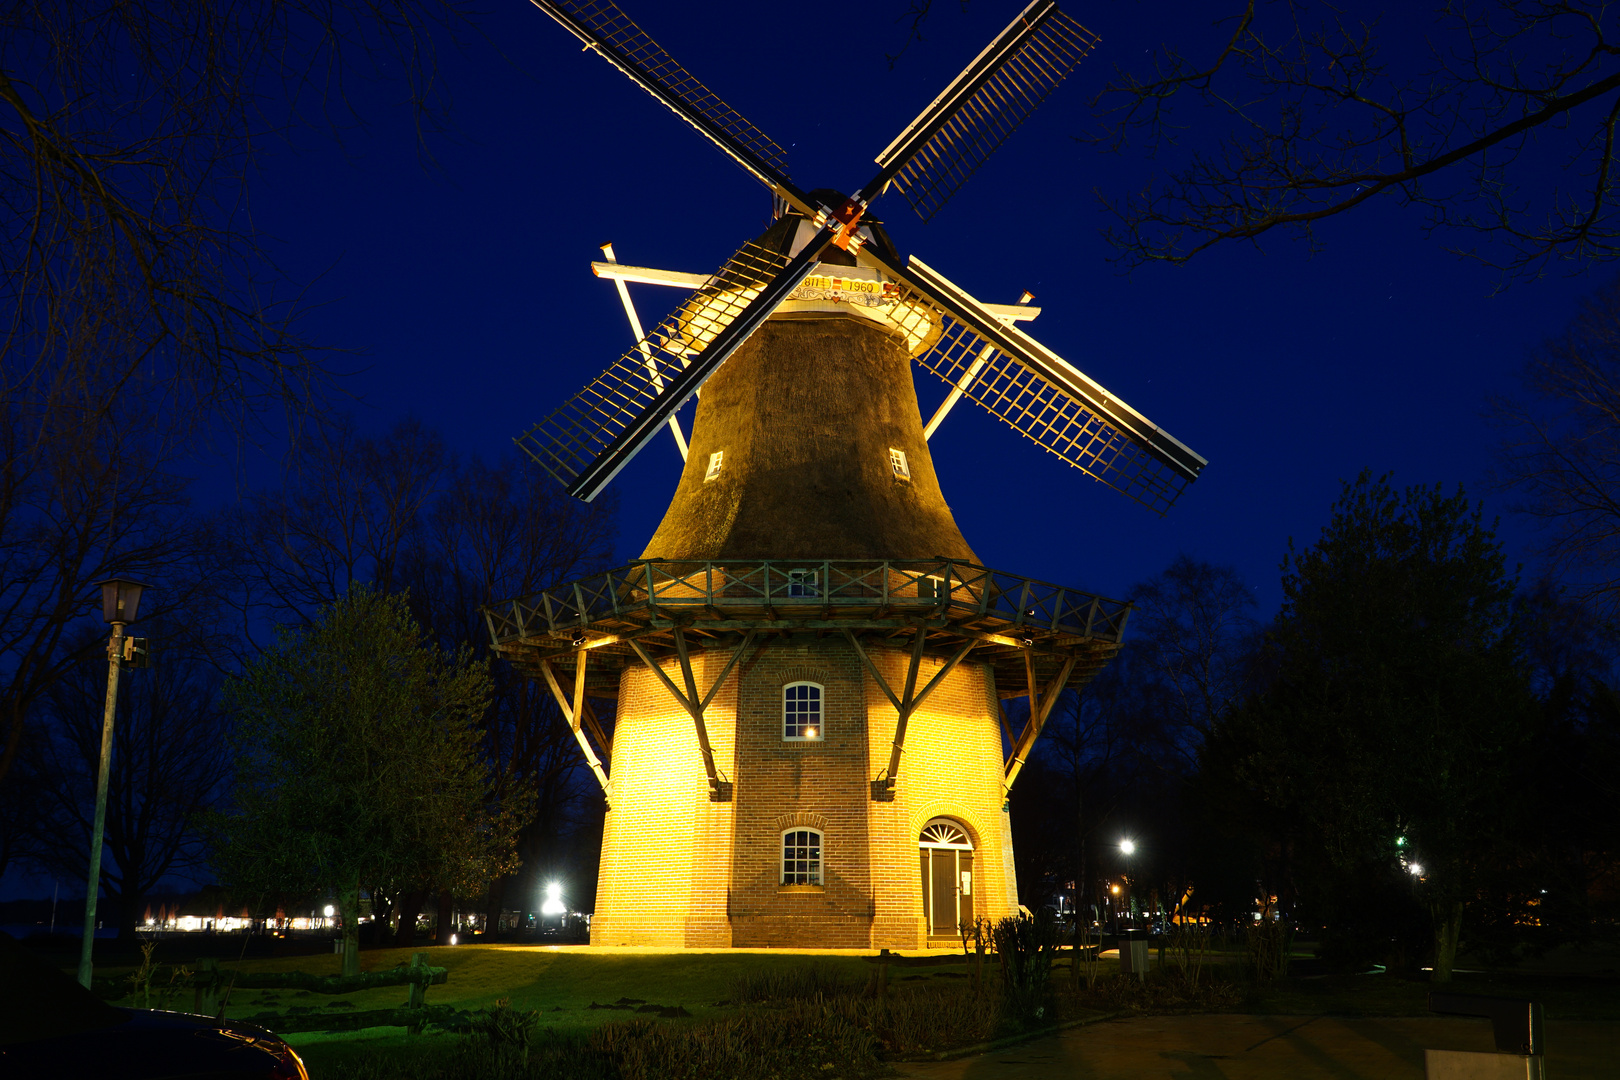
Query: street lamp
(1127, 848)
(120, 600)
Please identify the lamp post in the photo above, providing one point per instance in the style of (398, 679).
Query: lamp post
(120, 600)
(1128, 848)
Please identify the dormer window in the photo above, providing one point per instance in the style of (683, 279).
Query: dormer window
(898, 463)
(716, 461)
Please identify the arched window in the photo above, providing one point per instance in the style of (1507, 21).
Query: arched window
(801, 857)
(801, 711)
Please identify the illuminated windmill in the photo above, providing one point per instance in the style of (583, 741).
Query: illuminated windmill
(808, 663)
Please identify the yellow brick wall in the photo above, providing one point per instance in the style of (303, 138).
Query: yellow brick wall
(679, 870)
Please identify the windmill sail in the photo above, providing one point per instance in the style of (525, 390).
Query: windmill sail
(603, 27)
(595, 433)
(937, 152)
(1033, 390)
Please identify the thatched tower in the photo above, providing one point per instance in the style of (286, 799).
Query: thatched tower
(794, 461)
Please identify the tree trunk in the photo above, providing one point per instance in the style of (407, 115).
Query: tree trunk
(444, 927)
(1076, 974)
(492, 907)
(410, 906)
(1447, 924)
(349, 907)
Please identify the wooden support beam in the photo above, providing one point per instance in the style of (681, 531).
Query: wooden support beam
(1040, 707)
(905, 704)
(594, 726)
(572, 713)
(720, 789)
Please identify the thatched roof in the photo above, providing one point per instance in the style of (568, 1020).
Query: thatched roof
(806, 413)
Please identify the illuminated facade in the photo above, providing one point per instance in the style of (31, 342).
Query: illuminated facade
(807, 591)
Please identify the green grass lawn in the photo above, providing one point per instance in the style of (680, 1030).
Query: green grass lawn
(561, 984)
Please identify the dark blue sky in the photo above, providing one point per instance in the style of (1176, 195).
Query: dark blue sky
(466, 283)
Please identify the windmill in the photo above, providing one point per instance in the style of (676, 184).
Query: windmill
(808, 622)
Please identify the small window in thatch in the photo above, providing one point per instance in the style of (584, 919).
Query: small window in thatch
(716, 459)
(897, 461)
(801, 711)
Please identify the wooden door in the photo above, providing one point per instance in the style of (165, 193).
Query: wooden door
(964, 886)
(942, 878)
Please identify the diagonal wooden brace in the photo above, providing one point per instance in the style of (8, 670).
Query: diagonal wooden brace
(1040, 707)
(907, 703)
(573, 709)
(720, 789)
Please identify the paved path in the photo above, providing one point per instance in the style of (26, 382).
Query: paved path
(1268, 1048)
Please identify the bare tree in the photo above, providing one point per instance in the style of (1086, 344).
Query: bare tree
(1318, 110)
(97, 499)
(400, 513)
(1193, 632)
(1562, 449)
(350, 509)
(138, 313)
(166, 768)
(497, 532)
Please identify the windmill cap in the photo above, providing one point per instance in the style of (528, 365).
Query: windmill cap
(834, 198)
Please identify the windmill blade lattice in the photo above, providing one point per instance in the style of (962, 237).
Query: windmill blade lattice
(612, 33)
(1037, 394)
(940, 150)
(595, 433)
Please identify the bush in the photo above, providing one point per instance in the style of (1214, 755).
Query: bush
(1164, 992)
(803, 983)
(1026, 947)
(926, 1019)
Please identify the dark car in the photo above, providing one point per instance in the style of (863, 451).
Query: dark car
(50, 1026)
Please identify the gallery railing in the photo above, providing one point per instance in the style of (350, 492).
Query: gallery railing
(740, 589)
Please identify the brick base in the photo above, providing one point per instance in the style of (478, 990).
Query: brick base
(679, 870)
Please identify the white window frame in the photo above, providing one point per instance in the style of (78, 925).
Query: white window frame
(717, 461)
(805, 582)
(811, 874)
(899, 465)
(821, 713)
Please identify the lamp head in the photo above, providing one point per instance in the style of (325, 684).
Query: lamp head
(120, 600)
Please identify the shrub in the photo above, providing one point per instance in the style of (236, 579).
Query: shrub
(925, 1019)
(1026, 947)
(1165, 992)
(802, 1039)
(803, 983)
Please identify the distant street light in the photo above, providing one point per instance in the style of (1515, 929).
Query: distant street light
(553, 904)
(120, 600)
(1127, 847)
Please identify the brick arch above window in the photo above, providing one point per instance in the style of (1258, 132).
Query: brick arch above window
(922, 815)
(801, 820)
(793, 673)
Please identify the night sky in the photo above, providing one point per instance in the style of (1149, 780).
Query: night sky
(464, 282)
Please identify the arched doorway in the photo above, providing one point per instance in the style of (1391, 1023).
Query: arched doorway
(946, 855)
